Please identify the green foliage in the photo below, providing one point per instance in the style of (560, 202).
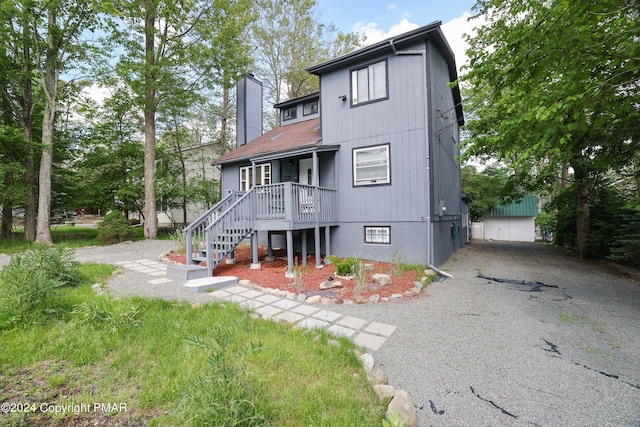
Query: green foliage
(108, 314)
(345, 266)
(625, 247)
(486, 188)
(531, 106)
(224, 395)
(29, 285)
(115, 229)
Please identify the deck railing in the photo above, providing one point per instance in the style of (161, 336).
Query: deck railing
(297, 203)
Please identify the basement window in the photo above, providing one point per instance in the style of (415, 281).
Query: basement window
(377, 235)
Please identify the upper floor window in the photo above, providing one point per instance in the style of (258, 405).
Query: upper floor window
(310, 108)
(263, 176)
(369, 83)
(371, 165)
(289, 113)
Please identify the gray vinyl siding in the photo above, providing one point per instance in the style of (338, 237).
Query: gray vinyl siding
(397, 121)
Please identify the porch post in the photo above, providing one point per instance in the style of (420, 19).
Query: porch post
(327, 241)
(255, 264)
(290, 253)
(303, 233)
(269, 247)
(317, 242)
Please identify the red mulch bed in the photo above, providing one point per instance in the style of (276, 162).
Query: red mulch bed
(272, 275)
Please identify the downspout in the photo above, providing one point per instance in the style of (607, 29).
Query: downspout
(427, 116)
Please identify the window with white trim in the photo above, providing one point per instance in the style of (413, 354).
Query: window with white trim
(377, 235)
(263, 176)
(371, 165)
(369, 83)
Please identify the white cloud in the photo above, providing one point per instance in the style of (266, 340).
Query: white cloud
(97, 93)
(391, 6)
(374, 34)
(455, 30)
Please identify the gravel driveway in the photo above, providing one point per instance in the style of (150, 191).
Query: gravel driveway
(479, 352)
(473, 351)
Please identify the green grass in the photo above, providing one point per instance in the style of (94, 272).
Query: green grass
(175, 364)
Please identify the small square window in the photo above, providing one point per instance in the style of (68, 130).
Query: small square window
(289, 113)
(310, 108)
(377, 235)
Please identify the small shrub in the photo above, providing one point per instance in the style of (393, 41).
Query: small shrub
(29, 284)
(115, 228)
(345, 266)
(112, 316)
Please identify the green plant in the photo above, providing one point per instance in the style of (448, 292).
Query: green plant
(223, 395)
(359, 272)
(110, 315)
(179, 236)
(115, 228)
(393, 421)
(345, 266)
(397, 260)
(297, 275)
(29, 285)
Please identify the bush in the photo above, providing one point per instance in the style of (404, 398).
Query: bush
(115, 228)
(29, 285)
(345, 266)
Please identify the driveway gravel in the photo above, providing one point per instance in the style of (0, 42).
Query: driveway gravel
(474, 351)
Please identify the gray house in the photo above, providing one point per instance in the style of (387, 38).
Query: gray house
(366, 167)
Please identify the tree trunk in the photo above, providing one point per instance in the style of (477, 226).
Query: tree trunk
(583, 212)
(151, 217)
(43, 228)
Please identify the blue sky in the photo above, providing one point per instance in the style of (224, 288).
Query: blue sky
(382, 19)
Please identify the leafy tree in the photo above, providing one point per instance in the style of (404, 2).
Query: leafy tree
(554, 84)
(486, 188)
(171, 52)
(290, 37)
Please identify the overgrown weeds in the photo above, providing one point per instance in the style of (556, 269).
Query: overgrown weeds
(29, 285)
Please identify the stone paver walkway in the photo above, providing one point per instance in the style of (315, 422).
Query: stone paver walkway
(364, 333)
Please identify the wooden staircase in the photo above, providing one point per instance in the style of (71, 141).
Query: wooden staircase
(213, 236)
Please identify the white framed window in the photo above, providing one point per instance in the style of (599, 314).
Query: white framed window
(263, 176)
(371, 165)
(369, 83)
(377, 235)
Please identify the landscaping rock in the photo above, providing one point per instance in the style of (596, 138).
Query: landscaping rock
(313, 299)
(326, 300)
(244, 282)
(330, 284)
(429, 272)
(395, 296)
(385, 392)
(374, 298)
(418, 285)
(402, 405)
(367, 362)
(377, 377)
(381, 279)
(301, 298)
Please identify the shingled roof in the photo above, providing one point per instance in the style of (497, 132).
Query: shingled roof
(279, 140)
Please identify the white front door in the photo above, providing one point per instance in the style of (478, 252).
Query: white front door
(305, 171)
(305, 176)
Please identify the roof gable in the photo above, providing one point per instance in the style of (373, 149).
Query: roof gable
(280, 139)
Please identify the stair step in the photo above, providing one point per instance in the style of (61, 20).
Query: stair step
(206, 283)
